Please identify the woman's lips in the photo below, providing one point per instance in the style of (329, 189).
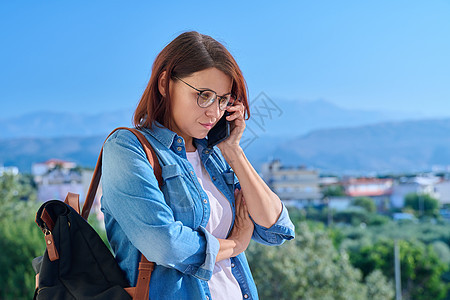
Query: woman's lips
(207, 125)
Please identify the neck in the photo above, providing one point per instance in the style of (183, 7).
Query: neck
(189, 143)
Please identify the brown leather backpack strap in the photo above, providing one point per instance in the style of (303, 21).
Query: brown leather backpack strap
(142, 288)
(49, 241)
(90, 196)
(73, 200)
(143, 282)
(145, 266)
(141, 291)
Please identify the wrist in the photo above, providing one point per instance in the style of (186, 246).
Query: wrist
(237, 248)
(240, 247)
(228, 248)
(231, 153)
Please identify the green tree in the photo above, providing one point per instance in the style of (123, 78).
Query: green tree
(421, 269)
(308, 267)
(442, 250)
(354, 216)
(333, 191)
(422, 204)
(365, 202)
(15, 192)
(378, 287)
(20, 238)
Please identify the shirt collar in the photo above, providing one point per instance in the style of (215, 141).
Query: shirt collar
(162, 134)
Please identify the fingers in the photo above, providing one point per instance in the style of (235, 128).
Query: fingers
(241, 207)
(236, 112)
(244, 208)
(237, 197)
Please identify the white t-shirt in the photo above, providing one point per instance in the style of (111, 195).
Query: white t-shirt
(223, 285)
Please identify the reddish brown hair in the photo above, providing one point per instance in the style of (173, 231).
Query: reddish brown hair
(188, 53)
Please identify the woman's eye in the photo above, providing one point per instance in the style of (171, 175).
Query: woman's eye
(206, 95)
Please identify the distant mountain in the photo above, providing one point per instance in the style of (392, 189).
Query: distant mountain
(386, 147)
(294, 118)
(23, 152)
(269, 116)
(54, 124)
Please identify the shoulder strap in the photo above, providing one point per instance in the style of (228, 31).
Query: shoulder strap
(73, 200)
(141, 291)
(151, 156)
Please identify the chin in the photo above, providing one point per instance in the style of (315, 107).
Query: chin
(201, 136)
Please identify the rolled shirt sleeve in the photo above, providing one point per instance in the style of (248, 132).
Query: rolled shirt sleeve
(132, 197)
(279, 232)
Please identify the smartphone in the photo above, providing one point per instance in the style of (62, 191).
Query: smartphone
(220, 131)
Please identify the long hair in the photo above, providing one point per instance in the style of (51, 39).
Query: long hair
(188, 53)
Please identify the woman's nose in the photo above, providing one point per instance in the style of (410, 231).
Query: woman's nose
(213, 110)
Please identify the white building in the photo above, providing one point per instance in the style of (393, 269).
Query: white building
(294, 185)
(41, 168)
(418, 184)
(55, 178)
(379, 189)
(443, 191)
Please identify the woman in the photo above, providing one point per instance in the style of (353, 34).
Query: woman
(198, 225)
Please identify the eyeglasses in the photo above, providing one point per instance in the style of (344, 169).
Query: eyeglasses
(207, 97)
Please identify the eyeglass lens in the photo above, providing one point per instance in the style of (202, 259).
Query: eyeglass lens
(206, 98)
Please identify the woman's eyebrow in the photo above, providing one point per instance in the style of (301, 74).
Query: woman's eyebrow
(208, 89)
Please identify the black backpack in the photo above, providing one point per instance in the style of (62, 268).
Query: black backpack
(77, 264)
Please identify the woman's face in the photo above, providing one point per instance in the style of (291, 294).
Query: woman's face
(188, 119)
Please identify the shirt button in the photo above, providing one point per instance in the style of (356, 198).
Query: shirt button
(207, 298)
(214, 178)
(207, 151)
(232, 265)
(205, 200)
(179, 141)
(192, 172)
(245, 296)
(178, 148)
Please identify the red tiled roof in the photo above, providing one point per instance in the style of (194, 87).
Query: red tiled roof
(56, 161)
(385, 192)
(368, 187)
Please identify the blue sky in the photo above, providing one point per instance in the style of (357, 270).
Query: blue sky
(92, 56)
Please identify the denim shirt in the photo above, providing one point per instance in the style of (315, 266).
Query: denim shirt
(167, 225)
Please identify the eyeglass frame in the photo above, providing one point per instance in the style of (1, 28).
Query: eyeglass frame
(209, 90)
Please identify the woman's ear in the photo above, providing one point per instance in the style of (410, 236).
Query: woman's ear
(162, 83)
